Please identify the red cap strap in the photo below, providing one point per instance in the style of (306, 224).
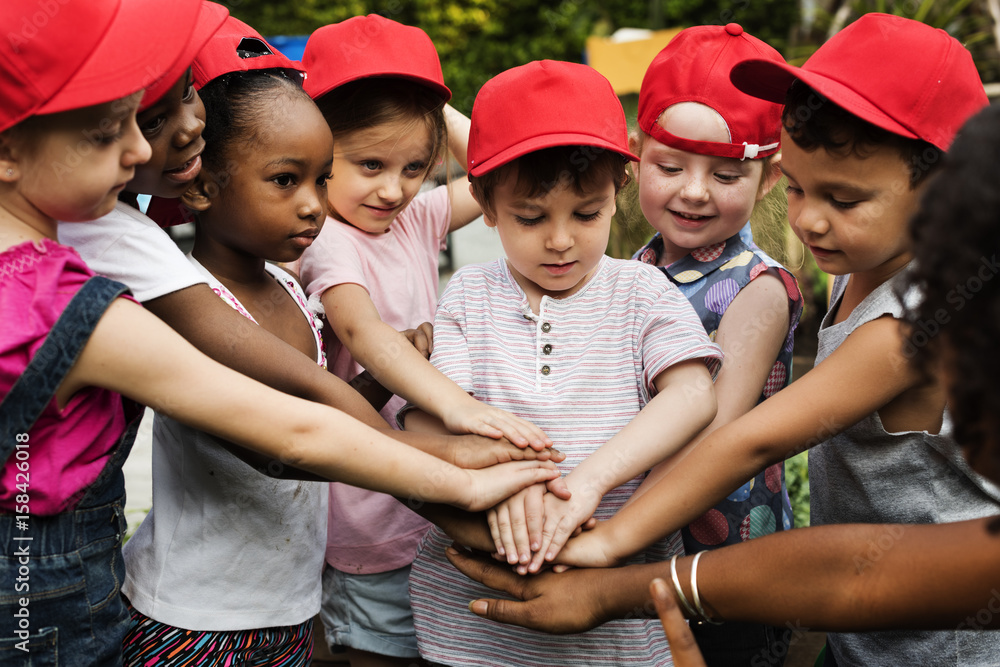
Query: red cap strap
(718, 149)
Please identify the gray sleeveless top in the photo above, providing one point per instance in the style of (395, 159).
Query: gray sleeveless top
(866, 475)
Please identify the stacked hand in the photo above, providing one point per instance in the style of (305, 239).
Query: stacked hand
(530, 528)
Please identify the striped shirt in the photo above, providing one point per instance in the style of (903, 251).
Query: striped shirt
(580, 369)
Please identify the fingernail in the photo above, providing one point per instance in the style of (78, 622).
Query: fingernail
(524, 558)
(452, 550)
(478, 607)
(501, 551)
(534, 546)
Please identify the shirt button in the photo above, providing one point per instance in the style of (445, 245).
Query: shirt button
(546, 327)
(545, 370)
(547, 349)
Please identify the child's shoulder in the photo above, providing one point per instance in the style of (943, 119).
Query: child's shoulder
(485, 274)
(635, 277)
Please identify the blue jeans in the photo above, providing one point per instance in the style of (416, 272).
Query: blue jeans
(61, 575)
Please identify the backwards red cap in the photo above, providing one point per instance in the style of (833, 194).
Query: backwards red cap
(898, 74)
(237, 47)
(543, 104)
(210, 18)
(694, 67)
(370, 46)
(69, 55)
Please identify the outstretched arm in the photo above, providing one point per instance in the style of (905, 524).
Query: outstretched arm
(864, 374)
(234, 341)
(134, 353)
(685, 400)
(750, 334)
(849, 577)
(399, 367)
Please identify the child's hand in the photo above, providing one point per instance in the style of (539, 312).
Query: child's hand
(476, 451)
(475, 417)
(562, 519)
(683, 647)
(589, 548)
(422, 338)
(516, 524)
(488, 487)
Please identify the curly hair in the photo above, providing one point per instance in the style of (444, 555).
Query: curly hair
(812, 121)
(956, 325)
(585, 168)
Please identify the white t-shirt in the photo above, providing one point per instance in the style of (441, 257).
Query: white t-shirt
(226, 547)
(127, 246)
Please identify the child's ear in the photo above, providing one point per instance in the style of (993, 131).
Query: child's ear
(770, 177)
(198, 196)
(634, 147)
(10, 168)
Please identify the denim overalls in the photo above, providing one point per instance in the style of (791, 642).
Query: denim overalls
(74, 568)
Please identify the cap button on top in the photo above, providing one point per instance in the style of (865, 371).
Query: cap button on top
(734, 29)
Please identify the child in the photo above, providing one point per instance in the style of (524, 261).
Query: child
(374, 272)
(707, 156)
(77, 343)
(856, 155)
(559, 333)
(227, 563)
(845, 577)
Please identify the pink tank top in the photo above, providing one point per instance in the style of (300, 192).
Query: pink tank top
(66, 448)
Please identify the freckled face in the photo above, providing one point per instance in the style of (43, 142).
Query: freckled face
(694, 200)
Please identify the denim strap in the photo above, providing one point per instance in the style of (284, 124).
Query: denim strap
(36, 386)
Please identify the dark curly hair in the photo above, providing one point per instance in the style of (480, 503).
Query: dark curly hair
(582, 167)
(233, 104)
(812, 121)
(956, 325)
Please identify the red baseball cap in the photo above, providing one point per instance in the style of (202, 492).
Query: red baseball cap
(543, 104)
(694, 67)
(237, 47)
(896, 73)
(370, 46)
(141, 43)
(210, 18)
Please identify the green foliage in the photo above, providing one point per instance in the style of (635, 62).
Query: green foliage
(478, 39)
(968, 21)
(797, 481)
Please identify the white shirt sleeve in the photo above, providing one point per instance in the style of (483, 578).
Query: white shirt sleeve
(129, 247)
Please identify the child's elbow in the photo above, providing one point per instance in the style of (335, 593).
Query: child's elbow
(708, 407)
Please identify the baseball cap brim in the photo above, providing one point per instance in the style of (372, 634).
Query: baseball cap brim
(144, 40)
(770, 81)
(538, 143)
(316, 92)
(210, 18)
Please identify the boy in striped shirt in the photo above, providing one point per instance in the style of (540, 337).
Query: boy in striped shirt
(574, 341)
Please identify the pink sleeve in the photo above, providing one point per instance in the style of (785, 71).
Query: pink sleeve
(428, 217)
(333, 259)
